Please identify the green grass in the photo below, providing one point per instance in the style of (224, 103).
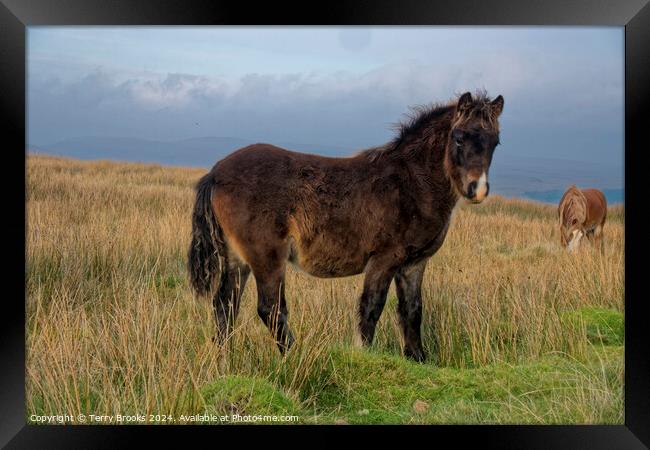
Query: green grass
(374, 388)
(602, 326)
(247, 396)
(379, 388)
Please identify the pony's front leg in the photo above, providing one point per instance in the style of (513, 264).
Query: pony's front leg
(379, 274)
(408, 283)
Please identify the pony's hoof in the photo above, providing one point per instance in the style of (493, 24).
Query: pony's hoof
(417, 355)
(285, 345)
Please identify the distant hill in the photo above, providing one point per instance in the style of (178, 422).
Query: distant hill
(554, 195)
(197, 152)
(546, 179)
(542, 179)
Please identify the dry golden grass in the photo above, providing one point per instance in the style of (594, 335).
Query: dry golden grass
(112, 326)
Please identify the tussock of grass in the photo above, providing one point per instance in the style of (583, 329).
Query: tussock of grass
(247, 396)
(601, 326)
(113, 328)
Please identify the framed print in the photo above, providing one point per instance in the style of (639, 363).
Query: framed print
(423, 218)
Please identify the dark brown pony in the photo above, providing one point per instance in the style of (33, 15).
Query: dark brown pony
(582, 212)
(384, 212)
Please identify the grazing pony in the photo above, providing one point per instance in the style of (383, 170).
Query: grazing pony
(582, 212)
(383, 211)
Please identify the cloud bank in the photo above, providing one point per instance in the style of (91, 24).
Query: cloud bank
(560, 102)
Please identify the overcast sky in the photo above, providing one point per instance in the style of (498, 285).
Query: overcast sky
(563, 86)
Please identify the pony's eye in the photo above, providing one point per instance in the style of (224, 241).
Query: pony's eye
(459, 142)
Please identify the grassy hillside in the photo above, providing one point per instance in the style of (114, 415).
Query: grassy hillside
(516, 329)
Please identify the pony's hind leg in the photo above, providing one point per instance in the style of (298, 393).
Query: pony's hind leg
(408, 283)
(234, 275)
(272, 306)
(272, 309)
(598, 238)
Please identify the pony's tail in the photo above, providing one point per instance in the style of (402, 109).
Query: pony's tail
(207, 239)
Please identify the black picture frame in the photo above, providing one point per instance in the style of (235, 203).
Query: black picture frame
(16, 15)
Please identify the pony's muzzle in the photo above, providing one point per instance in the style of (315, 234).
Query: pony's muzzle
(477, 190)
(574, 242)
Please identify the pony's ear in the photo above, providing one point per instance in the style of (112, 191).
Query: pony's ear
(497, 106)
(464, 102)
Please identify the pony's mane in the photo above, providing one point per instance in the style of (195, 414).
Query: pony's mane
(572, 206)
(420, 117)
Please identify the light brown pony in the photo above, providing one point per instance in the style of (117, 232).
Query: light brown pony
(582, 212)
(384, 211)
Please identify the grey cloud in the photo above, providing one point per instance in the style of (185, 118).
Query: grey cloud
(341, 109)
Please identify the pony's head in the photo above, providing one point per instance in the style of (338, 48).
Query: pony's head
(473, 136)
(571, 235)
(572, 213)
